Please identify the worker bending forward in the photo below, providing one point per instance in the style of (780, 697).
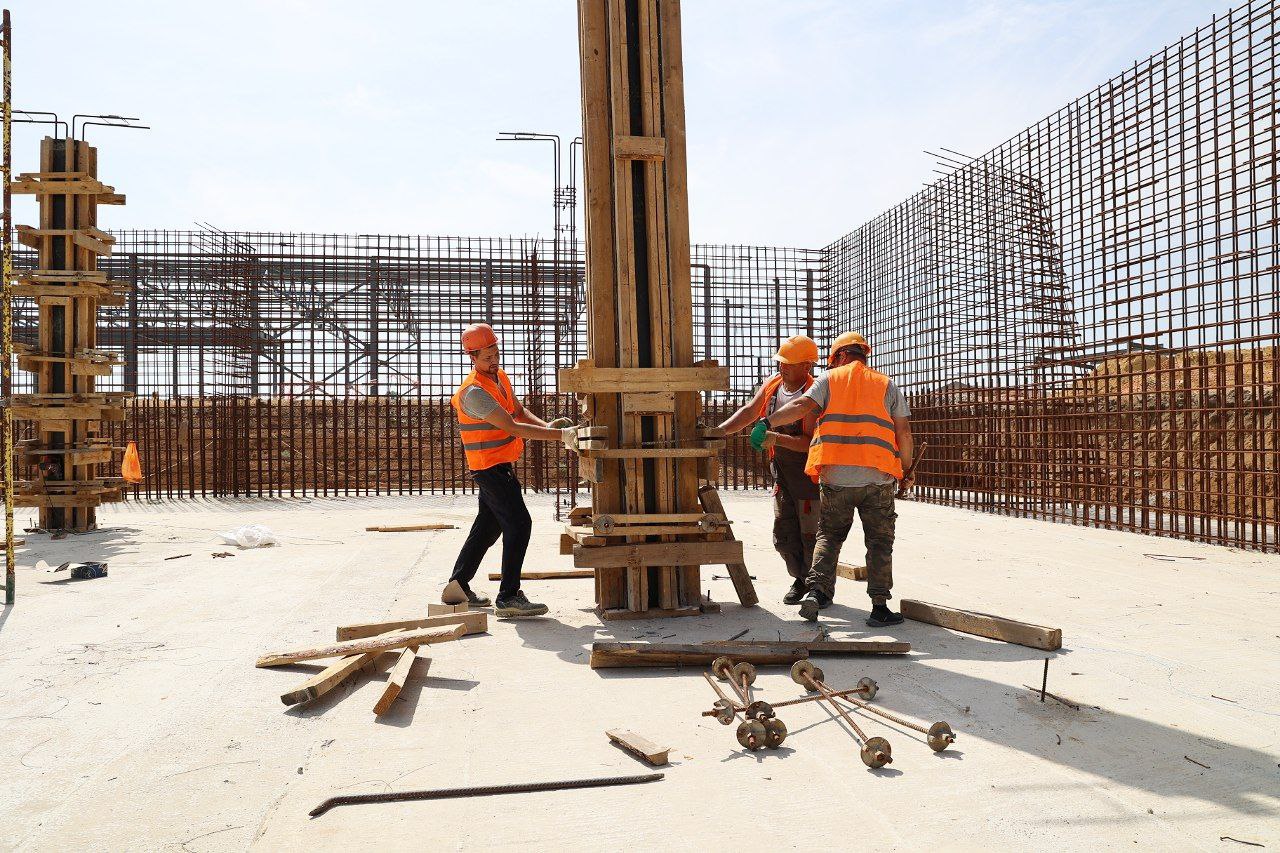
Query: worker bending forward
(795, 494)
(493, 425)
(861, 446)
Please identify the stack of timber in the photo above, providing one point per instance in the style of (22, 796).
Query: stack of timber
(66, 411)
(359, 646)
(646, 533)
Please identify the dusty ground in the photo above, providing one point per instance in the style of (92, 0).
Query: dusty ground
(134, 719)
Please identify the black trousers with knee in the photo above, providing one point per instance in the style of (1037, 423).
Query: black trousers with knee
(502, 513)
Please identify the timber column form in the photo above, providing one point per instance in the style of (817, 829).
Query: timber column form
(61, 463)
(645, 451)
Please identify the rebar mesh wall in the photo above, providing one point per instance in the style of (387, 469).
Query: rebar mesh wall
(1085, 318)
(300, 363)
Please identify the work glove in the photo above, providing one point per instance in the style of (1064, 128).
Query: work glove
(770, 439)
(758, 433)
(560, 423)
(569, 435)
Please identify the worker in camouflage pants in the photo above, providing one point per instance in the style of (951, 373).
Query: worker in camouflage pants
(862, 454)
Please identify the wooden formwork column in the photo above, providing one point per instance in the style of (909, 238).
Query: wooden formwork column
(640, 388)
(63, 459)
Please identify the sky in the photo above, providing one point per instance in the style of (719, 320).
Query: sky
(805, 118)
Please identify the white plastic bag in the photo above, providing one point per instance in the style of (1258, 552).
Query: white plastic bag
(250, 536)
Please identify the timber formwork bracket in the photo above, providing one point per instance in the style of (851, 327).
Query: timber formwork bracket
(646, 533)
(67, 286)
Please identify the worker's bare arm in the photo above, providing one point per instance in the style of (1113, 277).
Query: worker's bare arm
(793, 411)
(503, 421)
(906, 448)
(524, 416)
(745, 416)
(798, 443)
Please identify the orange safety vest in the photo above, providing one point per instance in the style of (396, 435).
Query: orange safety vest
(770, 388)
(484, 443)
(855, 428)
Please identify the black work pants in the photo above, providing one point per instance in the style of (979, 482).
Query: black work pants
(502, 513)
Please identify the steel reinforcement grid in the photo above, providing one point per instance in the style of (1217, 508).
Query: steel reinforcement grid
(299, 364)
(1085, 317)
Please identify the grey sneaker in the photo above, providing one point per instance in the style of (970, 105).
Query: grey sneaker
(812, 602)
(477, 599)
(518, 607)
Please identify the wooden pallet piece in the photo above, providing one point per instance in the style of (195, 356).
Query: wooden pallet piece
(408, 528)
(984, 625)
(853, 573)
(382, 643)
(613, 655)
(638, 556)
(639, 746)
(549, 576)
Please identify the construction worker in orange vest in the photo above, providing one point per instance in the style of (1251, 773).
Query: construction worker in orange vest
(795, 494)
(862, 453)
(493, 425)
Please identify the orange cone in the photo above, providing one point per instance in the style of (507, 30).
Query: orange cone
(131, 467)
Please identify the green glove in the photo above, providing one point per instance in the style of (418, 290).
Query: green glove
(758, 433)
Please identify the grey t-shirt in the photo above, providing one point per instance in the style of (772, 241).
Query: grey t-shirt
(847, 476)
(478, 403)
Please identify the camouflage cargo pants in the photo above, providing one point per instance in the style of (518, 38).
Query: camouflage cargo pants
(875, 506)
(795, 530)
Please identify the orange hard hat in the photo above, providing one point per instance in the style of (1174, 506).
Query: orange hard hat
(797, 350)
(477, 336)
(848, 339)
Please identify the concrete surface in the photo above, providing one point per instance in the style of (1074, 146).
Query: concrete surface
(133, 717)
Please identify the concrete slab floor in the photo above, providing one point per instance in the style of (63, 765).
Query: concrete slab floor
(133, 717)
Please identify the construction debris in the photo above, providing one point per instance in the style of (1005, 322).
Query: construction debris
(476, 622)
(640, 746)
(819, 647)
(984, 625)
(380, 643)
(853, 573)
(611, 655)
(582, 574)
(410, 528)
(396, 679)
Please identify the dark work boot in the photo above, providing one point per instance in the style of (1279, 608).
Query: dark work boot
(518, 607)
(477, 599)
(797, 591)
(882, 617)
(812, 602)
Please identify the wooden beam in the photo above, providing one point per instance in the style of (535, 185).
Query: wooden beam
(984, 625)
(409, 528)
(640, 746)
(548, 576)
(328, 678)
(649, 403)
(475, 621)
(382, 643)
(612, 614)
(612, 655)
(649, 452)
(649, 148)
(853, 573)
(821, 647)
(738, 573)
(658, 554)
(622, 380)
(396, 679)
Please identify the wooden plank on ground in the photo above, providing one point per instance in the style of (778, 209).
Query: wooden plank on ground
(823, 647)
(548, 576)
(475, 621)
(611, 655)
(381, 643)
(984, 625)
(396, 679)
(639, 746)
(328, 678)
(409, 528)
(853, 573)
(738, 573)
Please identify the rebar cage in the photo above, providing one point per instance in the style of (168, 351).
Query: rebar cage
(1085, 317)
